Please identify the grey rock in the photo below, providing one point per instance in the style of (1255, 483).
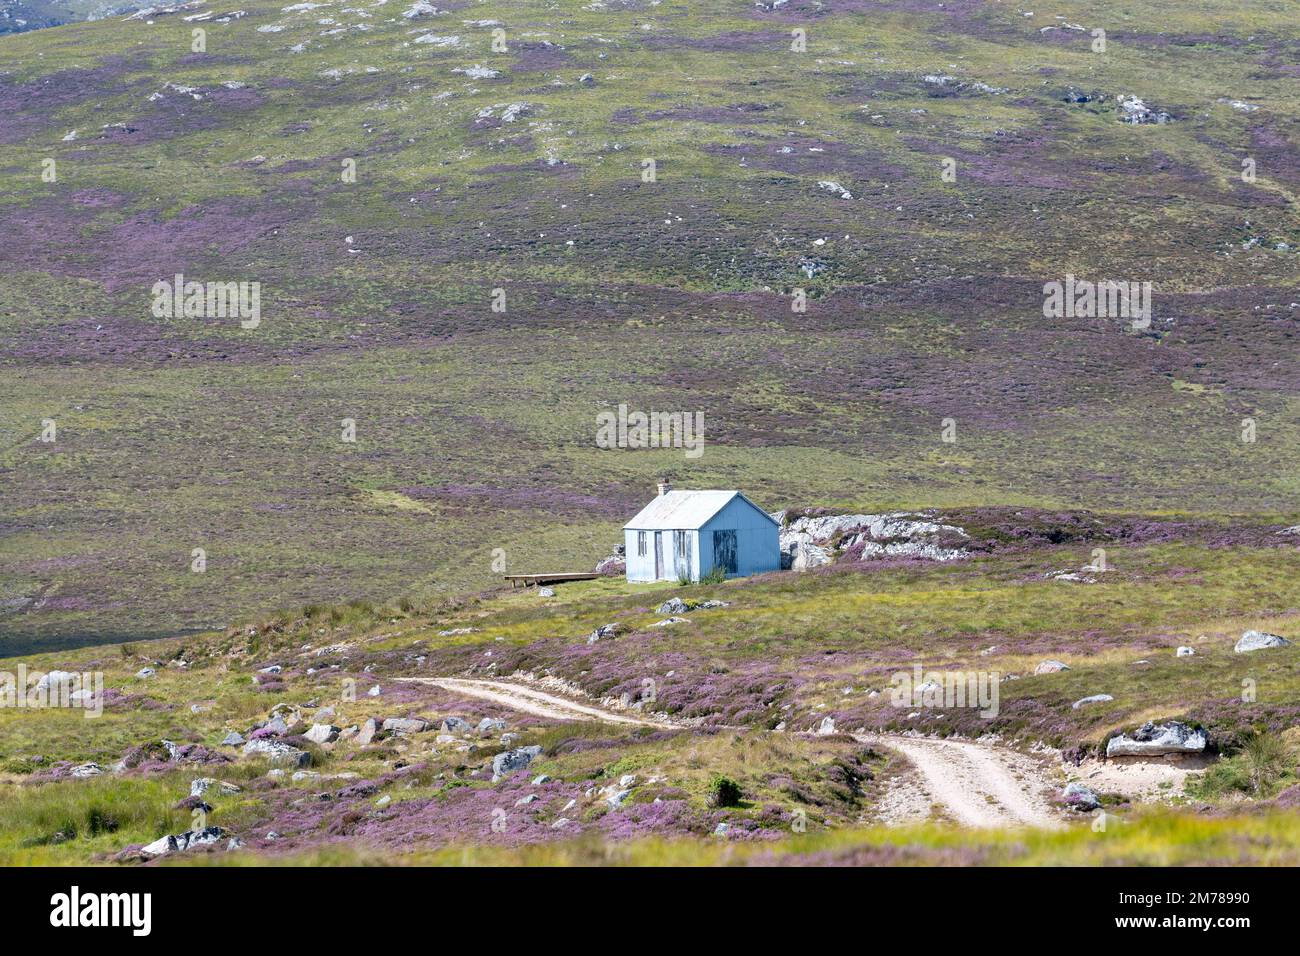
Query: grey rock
(322, 733)
(406, 725)
(1258, 641)
(456, 725)
(1080, 797)
(1152, 739)
(232, 739)
(1094, 699)
(541, 778)
(1051, 667)
(183, 841)
(673, 606)
(1185, 652)
(56, 679)
(525, 801)
(200, 785)
(504, 764)
(605, 632)
(86, 770)
(277, 752)
(368, 732)
(144, 672)
(546, 592)
(273, 669)
(615, 800)
(491, 725)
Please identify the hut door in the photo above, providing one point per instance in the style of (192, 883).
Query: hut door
(659, 555)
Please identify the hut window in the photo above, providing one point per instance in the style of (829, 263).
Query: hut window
(682, 542)
(724, 551)
(640, 544)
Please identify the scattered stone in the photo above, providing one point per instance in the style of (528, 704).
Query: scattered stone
(384, 801)
(627, 780)
(1094, 699)
(560, 824)
(1079, 797)
(546, 592)
(273, 669)
(1051, 667)
(525, 801)
(833, 187)
(144, 672)
(456, 725)
(232, 739)
(541, 778)
(406, 725)
(200, 786)
(86, 770)
(504, 764)
(827, 727)
(369, 730)
(322, 733)
(277, 752)
(374, 691)
(491, 725)
(604, 632)
(673, 606)
(1134, 111)
(1153, 739)
(1185, 652)
(183, 841)
(615, 800)
(669, 621)
(721, 829)
(1258, 641)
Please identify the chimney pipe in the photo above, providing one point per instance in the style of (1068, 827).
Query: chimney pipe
(665, 486)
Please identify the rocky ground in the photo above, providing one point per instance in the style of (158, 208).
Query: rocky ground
(922, 374)
(1135, 705)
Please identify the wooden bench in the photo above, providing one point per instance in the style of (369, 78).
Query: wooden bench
(555, 578)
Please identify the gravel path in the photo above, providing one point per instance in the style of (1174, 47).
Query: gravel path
(975, 785)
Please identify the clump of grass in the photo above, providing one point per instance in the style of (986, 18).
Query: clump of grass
(1263, 766)
(716, 576)
(105, 813)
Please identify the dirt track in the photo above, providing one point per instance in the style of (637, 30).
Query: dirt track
(974, 784)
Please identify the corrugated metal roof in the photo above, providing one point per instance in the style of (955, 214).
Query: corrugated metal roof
(682, 510)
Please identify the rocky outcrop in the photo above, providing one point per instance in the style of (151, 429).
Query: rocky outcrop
(1153, 740)
(605, 632)
(405, 725)
(322, 733)
(1094, 699)
(181, 842)
(615, 564)
(278, 753)
(813, 541)
(1258, 641)
(504, 764)
(1079, 797)
(1050, 667)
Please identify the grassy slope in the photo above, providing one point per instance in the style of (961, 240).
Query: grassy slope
(476, 429)
(787, 648)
